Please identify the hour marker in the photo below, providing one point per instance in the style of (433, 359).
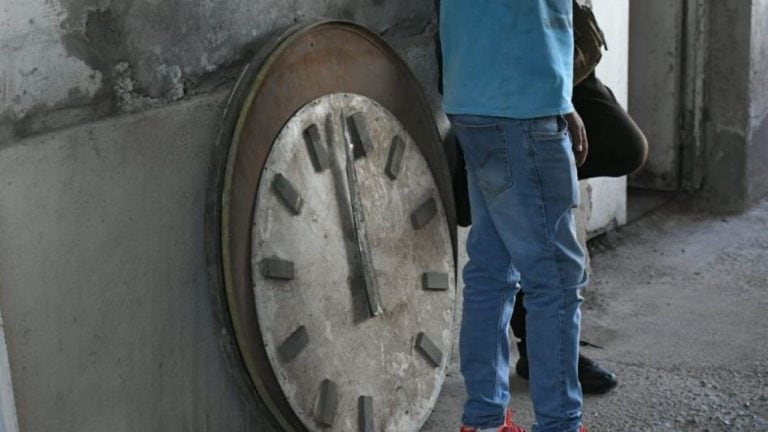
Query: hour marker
(424, 214)
(365, 409)
(396, 151)
(287, 193)
(360, 135)
(433, 281)
(429, 350)
(276, 268)
(325, 410)
(294, 345)
(317, 152)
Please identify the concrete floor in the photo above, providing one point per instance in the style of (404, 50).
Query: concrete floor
(678, 302)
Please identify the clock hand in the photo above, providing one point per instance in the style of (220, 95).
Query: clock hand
(361, 232)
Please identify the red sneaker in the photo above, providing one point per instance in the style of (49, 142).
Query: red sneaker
(508, 425)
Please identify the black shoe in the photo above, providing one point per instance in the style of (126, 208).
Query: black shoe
(594, 378)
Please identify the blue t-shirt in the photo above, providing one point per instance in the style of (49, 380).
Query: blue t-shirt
(507, 58)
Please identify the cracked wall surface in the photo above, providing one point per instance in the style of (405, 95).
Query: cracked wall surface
(109, 111)
(100, 57)
(36, 70)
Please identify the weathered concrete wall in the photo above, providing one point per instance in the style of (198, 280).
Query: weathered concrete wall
(103, 281)
(759, 78)
(727, 99)
(655, 67)
(36, 69)
(758, 146)
(726, 158)
(102, 269)
(62, 61)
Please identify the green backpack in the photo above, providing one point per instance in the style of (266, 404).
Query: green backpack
(589, 42)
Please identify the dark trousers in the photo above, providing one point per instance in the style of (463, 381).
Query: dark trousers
(617, 147)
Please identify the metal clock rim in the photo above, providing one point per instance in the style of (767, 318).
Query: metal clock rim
(255, 381)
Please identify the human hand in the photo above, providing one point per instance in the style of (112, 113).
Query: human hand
(578, 136)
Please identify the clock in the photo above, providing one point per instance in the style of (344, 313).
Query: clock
(331, 235)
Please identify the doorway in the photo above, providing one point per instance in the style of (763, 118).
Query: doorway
(667, 58)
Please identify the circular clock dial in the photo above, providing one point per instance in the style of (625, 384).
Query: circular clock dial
(352, 269)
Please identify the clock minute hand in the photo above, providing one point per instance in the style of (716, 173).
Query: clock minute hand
(361, 232)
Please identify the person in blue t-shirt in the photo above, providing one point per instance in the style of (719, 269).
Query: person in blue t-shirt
(507, 90)
(617, 147)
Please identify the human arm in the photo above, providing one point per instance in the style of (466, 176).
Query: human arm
(578, 136)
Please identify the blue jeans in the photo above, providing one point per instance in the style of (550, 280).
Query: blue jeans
(523, 189)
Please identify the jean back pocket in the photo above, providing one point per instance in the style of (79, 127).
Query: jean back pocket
(485, 150)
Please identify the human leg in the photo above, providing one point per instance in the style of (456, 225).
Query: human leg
(553, 303)
(529, 189)
(594, 379)
(490, 283)
(617, 146)
(518, 325)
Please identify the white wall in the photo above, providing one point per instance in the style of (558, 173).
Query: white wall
(608, 197)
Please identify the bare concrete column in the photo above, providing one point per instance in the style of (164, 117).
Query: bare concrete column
(698, 88)
(758, 160)
(736, 106)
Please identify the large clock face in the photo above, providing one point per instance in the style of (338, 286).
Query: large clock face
(331, 235)
(352, 269)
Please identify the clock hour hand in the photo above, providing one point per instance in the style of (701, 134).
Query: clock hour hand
(361, 233)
